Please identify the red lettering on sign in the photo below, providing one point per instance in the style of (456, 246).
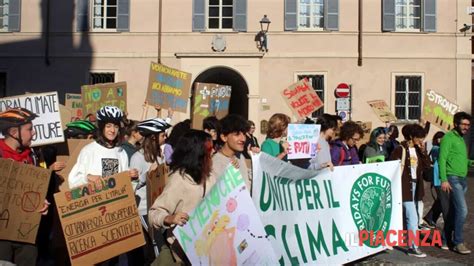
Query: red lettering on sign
(302, 147)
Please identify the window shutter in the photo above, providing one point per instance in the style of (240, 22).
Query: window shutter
(199, 15)
(429, 16)
(331, 15)
(291, 17)
(82, 15)
(240, 15)
(123, 16)
(14, 17)
(388, 20)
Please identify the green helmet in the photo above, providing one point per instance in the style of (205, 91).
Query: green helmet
(79, 127)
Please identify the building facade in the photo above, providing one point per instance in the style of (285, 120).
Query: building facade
(392, 50)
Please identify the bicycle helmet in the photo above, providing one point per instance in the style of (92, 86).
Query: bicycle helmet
(152, 126)
(79, 127)
(15, 117)
(109, 114)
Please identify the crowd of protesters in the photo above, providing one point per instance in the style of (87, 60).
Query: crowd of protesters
(197, 158)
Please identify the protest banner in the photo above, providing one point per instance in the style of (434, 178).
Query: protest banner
(74, 147)
(100, 222)
(210, 100)
(98, 95)
(168, 87)
(224, 228)
(48, 123)
(381, 109)
(367, 128)
(302, 99)
(73, 101)
(315, 217)
(303, 140)
(156, 181)
(439, 110)
(23, 189)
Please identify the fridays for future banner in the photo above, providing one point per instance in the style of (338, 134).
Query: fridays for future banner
(316, 217)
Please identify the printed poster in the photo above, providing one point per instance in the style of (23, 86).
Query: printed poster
(98, 95)
(210, 100)
(168, 87)
(303, 140)
(302, 99)
(73, 101)
(48, 123)
(100, 222)
(439, 110)
(23, 189)
(382, 110)
(315, 217)
(225, 228)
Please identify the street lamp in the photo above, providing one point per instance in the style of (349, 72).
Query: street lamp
(262, 35)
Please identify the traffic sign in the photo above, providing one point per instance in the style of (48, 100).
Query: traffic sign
(342, 90)
(345, 115)
(343, 104)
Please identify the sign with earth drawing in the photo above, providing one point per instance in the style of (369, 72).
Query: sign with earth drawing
(317, 217)
(98, 95)
(210, 100)
(439, 110)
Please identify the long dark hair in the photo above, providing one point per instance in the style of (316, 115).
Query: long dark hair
(192, 155)
(151, 147)
(102, 140)
(374, 135)
(178, 130)
(437, 136)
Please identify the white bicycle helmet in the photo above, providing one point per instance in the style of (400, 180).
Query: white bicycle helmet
(109, 114)
(152, 126)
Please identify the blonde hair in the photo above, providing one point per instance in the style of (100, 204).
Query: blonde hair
(277, 125)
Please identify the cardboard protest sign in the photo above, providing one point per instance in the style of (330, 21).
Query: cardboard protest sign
(156, 181)
(66, 115)
(439, 110)
(23, 188)
(381, 109)
(367, 128)
(73, 101)
(100, 222)
(303, 140)
(225, 228)
(98, 95)
(168, 87)
(315, 217)
(74, 147)
(210, 100)
(302, 99)
(48, 123)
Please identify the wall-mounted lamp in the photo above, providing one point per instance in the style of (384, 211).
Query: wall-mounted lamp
(465, 28)
(261, 38)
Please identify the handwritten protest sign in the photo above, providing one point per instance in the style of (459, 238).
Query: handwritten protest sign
(100, 221)
(225, 228)
(73, 101)
(302, 140)
(302, 99)
(314, 218)
(23, 189)
(439, 110)
(48, 123)
(381, 109)
(210, 100)
(168, 87)
(96, 96)
(156, 181)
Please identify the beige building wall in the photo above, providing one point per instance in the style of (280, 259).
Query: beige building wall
(442, 58)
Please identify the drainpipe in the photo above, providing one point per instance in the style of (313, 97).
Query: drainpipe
(46, 47)
(359, 59)
(159, 30)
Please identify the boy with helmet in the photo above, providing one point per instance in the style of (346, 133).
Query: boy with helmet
(146, 159)
(17, 127)
(104, 157)
(80, 129)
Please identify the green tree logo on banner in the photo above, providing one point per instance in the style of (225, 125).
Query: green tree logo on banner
(371, 205)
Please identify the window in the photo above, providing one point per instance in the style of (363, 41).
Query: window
(220, 14)
(107, 77)
(311, 14)
(407, 15)
(317, 81)
(4, 8)
(104, 14)
(408, 97)
(3, 84)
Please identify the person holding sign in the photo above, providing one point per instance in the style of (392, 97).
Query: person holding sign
(103, 157)
(190, 180)
(343, 150)
(275, 144)
(17, 127)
